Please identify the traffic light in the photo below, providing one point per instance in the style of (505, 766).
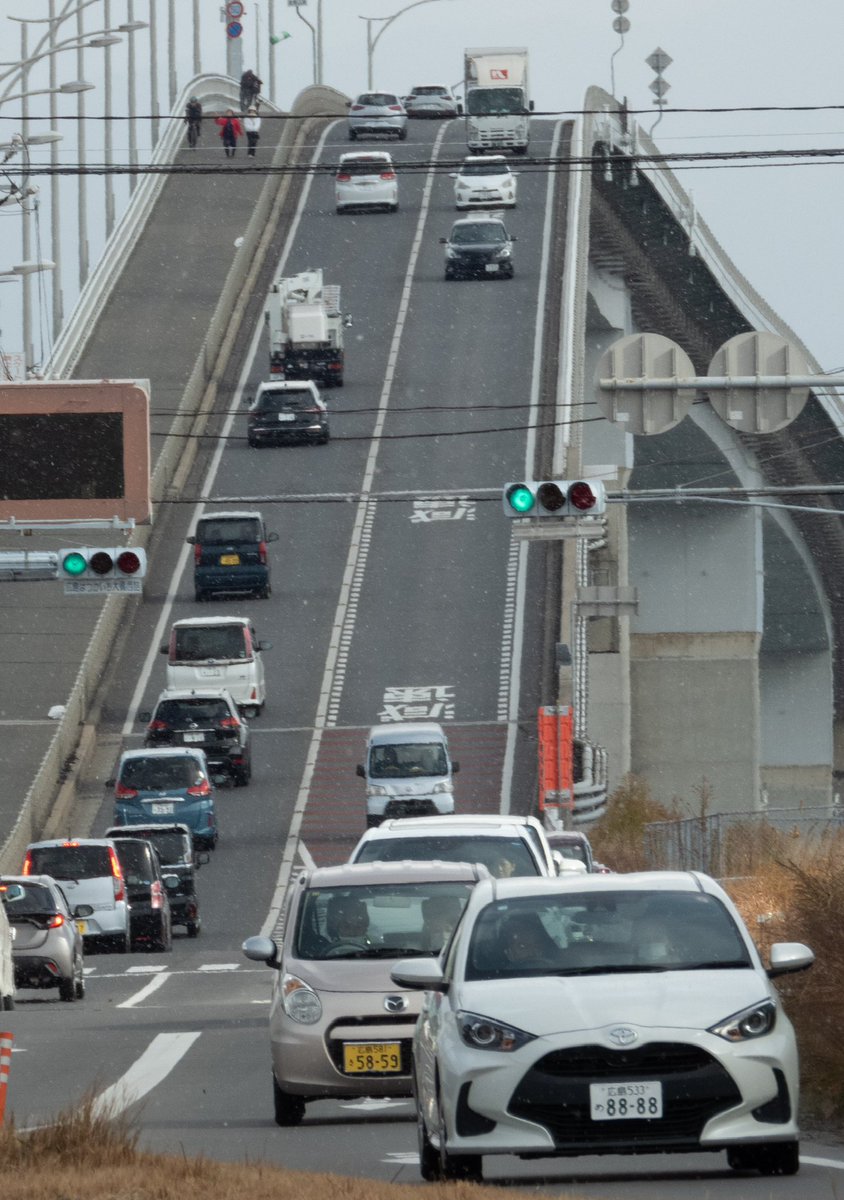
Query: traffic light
(98, 568)
(555, 498)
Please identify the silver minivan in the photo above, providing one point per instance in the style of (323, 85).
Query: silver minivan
(408, 771)
(218, 652)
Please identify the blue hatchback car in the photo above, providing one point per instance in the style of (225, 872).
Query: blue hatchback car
(164, 786)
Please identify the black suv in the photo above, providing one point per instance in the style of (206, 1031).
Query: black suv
(147, 893)
(207, 720)
(288, 411)
(230, 555)
(478, 246)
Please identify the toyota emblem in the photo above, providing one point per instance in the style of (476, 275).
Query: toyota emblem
(395, 1004)
(623, 1035)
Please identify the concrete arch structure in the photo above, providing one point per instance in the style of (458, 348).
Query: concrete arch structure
(729, 670)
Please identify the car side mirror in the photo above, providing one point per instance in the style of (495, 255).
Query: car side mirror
(264, 646)
(360, 771)
(455, 767)
(272, 537)
(191, 541)
(145, 716)
(452, 174)
(347, 321)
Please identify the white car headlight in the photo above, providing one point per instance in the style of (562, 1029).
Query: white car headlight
(378, 789)
(753, 1022)
(504, 252)
(443, 786)
(300, 1002)
(450, 252)
(482, 1033)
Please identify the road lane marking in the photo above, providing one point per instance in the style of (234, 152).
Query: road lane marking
(138, 998)
(160, 1057)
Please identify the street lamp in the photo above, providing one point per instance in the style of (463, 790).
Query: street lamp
(372, 42)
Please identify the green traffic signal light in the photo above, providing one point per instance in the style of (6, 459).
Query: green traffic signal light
(74, 563)
(520, 497)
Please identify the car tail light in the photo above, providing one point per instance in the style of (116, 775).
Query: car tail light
(197, 553)
(395, 108)
(122, 792)
(388, 174)
(157, 726)
(343, 177)
(357, 108)
(200, 789)
(27, 864)
(54, 921)
(262, 552)
(230, 723)
(116, 876)
(156, 895)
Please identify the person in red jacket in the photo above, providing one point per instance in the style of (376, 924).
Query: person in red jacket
(230, 131)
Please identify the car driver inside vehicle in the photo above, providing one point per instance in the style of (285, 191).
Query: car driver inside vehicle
(347, 920)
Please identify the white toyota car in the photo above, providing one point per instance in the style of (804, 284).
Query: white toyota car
(603, 1014)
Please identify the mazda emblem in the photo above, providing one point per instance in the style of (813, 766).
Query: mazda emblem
(395, 1004)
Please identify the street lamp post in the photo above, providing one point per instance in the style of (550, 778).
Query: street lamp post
(372, 42)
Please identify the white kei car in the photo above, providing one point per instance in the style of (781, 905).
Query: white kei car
(603, 1014)
(485, 180)
(366, 179)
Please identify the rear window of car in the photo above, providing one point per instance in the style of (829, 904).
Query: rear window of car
(136, 859)
(377, 99)
(430, 91)
(502, 856)
(241, 529)
(180, 713)
(158, 774)
(195, 643)
(27, 898)
(285, 401)
(365, 166)
(70, 862)
(173, 848)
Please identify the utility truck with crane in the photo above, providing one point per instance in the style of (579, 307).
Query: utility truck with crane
(305, 325)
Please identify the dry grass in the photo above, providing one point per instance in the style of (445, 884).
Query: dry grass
(84, 1156)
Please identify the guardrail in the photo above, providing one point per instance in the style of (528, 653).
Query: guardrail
(62, 759)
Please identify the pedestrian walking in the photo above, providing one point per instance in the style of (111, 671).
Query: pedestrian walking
(193, 120)
(250, 89)
(230, 131)
(252, 125)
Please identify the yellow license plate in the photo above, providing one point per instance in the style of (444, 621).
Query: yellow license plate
(82, 926)
(371, 1058)
(229, 560)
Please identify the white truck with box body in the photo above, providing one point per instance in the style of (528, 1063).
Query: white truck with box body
(497, 99)
(306, 326)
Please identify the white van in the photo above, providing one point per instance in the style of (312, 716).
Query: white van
(408, 771)
(219, 652)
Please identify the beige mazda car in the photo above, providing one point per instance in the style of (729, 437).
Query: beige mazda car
(339, 1027)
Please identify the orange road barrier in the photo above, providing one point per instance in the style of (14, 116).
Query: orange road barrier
(6, 1040)
(556, 771)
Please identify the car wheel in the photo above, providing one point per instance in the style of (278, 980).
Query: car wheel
(250, 711)
(323, 439)
(164, 941)
(117, 943)
(338, 381)
(288, 1109)
(264, 593)
(254, 442)
(402, 135)
(429, 1159)
(79, 985)
(775, 1158)
(454, 1167)
(240, 778)
(67, 990)
(193, 928)
(7, 1003)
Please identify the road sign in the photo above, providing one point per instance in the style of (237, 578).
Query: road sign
(234, 10)
(758, 409)
(234, 29)
(102, 587)
(644, 356)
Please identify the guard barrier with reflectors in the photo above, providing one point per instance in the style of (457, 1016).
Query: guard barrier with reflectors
(555, 498)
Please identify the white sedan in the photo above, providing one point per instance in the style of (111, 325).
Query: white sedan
(608, 1014)
(485, 180)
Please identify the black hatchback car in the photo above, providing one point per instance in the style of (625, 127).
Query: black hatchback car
(478, 246)
(174, 844)
(147, 889)
(287, 411)
(208, 719)
(230, 555)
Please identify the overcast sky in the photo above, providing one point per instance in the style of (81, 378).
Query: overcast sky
(780, 224)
